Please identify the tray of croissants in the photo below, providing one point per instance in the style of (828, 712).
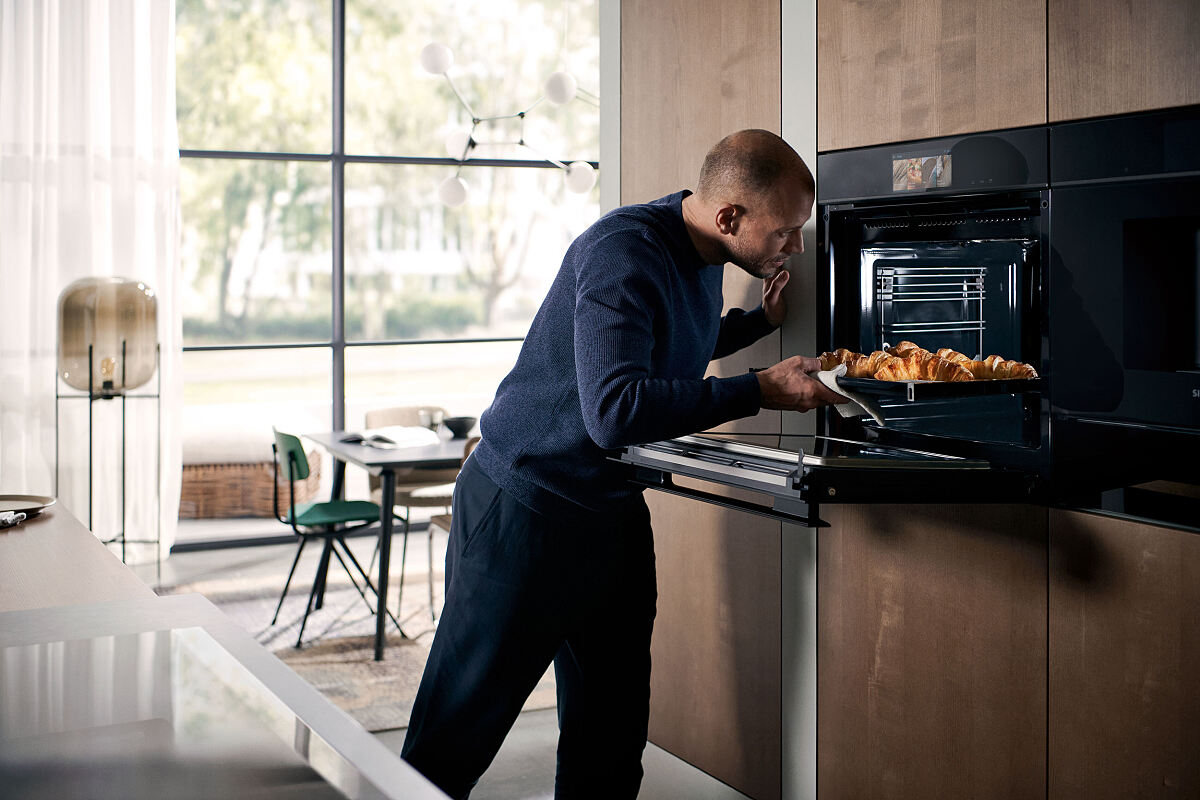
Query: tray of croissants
(946, 372)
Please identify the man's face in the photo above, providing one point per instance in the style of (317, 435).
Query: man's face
(770, 232)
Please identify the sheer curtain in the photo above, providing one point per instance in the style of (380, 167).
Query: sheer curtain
(89, 176)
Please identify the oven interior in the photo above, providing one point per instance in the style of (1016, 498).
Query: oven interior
(962, 274)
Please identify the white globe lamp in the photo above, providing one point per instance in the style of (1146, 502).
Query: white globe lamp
(436, 58)
(581, 177)
(560, 88)
(453, 191)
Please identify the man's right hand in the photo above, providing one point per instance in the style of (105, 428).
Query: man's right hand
(788, 386)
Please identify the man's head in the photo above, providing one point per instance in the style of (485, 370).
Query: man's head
(754, 195)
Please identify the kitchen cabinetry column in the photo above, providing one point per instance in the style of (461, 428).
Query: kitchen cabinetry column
(931, 651)
(693, 71)
(1124, 658)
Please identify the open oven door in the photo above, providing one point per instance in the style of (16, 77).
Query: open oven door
(803, 472)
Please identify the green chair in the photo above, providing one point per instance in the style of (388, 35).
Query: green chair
(329, 521)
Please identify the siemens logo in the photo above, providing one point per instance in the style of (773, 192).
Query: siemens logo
(1196, 393)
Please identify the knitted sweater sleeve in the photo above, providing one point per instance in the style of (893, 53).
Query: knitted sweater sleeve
(621, 302)
(740, 329)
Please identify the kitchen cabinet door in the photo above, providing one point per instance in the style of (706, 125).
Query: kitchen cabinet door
(716, 682)
(897, 70)
(931, 651)
(1114, 56)
(1124, 659)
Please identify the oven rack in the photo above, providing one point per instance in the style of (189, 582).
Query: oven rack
(912, 391)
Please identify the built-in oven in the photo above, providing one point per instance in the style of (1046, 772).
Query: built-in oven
(1074, 248)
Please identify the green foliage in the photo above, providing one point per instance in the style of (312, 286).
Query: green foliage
(409, 318)
(255, 75)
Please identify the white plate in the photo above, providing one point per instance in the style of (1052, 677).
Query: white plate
(29, 503)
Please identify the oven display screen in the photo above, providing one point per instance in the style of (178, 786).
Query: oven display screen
(920, 172)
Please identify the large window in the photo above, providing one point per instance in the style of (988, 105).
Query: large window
(323, 277)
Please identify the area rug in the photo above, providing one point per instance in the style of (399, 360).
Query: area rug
(338, 649)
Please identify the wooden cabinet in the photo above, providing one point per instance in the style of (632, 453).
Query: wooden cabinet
(931, 651)
(715, 689)
(1124, 602)
(692, 72)
(1116, 56)
(896, 70)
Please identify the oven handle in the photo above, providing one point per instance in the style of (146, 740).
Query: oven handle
(796, 512)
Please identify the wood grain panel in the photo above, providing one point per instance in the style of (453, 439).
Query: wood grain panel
(895, 70)
(693, 72)
(715, 690)
(931, 651)
(1114, 56)
(1124, 659)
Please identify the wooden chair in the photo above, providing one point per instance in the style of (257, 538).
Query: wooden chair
(433, 497)
(421, 488)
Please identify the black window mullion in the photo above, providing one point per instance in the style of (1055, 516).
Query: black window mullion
(338, 207)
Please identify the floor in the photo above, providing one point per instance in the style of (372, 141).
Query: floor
(524, 767)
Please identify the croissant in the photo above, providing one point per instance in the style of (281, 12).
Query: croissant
(999, 368)
(955, 356)
(839, 356)
(866, 366)
(906, 349)
(922, 366)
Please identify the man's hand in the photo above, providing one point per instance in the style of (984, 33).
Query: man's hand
(774, 306)
(788, 386)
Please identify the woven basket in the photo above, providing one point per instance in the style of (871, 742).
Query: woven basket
(220, 491)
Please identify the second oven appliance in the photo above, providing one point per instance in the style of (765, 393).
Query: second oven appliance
(1074, 248)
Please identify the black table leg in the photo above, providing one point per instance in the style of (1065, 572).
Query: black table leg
(388, 480)
(339, 479)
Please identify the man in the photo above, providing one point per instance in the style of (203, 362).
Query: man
(551, 555)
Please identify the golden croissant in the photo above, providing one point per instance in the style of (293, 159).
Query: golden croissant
(922, 365)
(906, 349)
(839, 356)
(908, 361)
(990, 368)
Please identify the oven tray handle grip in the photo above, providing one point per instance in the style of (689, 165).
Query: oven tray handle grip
(805, 515)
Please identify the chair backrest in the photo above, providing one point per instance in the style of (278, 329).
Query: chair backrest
(469, 446)
(289, 448)
(398, 415)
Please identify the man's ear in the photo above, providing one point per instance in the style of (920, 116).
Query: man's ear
(729, 217)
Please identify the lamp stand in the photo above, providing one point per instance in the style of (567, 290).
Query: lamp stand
(103, 393)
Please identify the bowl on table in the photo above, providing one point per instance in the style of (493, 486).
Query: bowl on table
(459, 426)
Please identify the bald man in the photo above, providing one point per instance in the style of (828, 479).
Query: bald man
(551, 556)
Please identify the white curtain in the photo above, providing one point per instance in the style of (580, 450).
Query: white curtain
(89, 176)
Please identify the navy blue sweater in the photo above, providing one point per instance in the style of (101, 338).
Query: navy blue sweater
(616, 356)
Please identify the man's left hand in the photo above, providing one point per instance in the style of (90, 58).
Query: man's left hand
(774, 306)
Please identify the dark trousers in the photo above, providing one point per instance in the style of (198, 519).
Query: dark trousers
(523, 589)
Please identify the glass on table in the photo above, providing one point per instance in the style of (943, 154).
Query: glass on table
(431, 418)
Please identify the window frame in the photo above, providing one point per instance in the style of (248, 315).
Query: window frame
(337, 160)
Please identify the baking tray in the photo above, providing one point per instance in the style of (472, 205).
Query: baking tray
(939, 390)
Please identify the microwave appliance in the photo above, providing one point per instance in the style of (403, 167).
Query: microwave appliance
(1073, 247)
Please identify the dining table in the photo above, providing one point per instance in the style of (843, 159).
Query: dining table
(385, 463)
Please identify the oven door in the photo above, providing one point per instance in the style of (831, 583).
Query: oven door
(802, 472)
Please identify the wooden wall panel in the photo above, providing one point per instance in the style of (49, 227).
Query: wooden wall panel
(1124, 659)
(895, 70)
(1114, 56)
(715, 691)
(692, 72)
(931, 651)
